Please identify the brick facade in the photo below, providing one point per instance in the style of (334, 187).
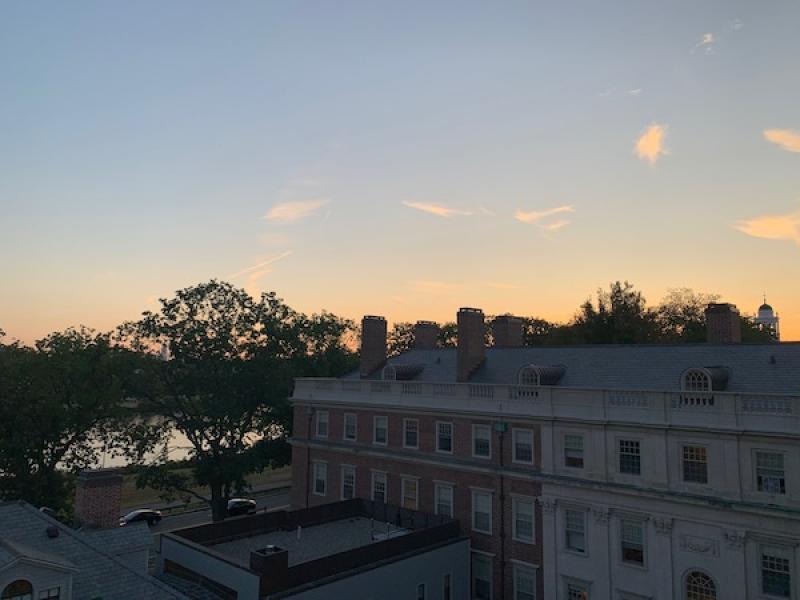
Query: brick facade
(98, 498)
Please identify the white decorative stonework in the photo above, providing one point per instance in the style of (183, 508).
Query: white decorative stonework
(735, 539)
(548, 505)
(663, 525)
(699, 545)
(600, 515)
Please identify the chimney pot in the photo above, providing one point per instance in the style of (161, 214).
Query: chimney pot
(98, 498)
(507, 331)
(723, 325)
(373, 344)
(426, 335)
(471, 349)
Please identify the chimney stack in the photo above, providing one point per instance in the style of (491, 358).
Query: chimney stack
(507, 331)
(426, 335)
(373, 344)
(723, 325)
(98, 498)
(471, 344)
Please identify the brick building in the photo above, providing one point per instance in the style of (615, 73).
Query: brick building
(615, 472)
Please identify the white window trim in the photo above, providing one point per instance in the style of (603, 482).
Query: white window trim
(405, 425)
(404, 479)
(643, 524)
(437, 487)
(491, 571)
(375, 430)
(519, 564)
(314, 466)
(483, 492)
(681, 447)
(355, 429)
(342, 470)
(385, 484)
(762, 450)
(515, 499)
(777, 551)
(585, 514)
(514, 432)
(452, 437)
(424, 587)
(618, 452)
(474, 437)
(327, 424)
(564, 436)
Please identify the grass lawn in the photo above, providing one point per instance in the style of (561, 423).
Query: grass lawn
(145, 497)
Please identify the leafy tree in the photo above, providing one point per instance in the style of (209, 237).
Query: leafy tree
(620, 317)
(681, 315)
(400, 338)
(448, 335)
(223, 381)
(59, 404)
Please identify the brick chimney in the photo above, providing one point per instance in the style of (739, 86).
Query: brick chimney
(723, 325)
(471, 344)
(373, 344)
(98, 498)
(426, 335)
(507, 331)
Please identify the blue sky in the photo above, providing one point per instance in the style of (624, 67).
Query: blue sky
(148, 146)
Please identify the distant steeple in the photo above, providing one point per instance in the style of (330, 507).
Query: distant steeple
(768, 320)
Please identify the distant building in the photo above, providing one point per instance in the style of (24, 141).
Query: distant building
(44, 559)
(618, 472)
(768, 320)
(353, 549)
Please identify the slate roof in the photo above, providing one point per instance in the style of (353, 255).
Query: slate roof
(121, 540)
(97, 575)
(752, 368)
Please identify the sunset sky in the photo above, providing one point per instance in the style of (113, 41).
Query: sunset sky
(396, 158)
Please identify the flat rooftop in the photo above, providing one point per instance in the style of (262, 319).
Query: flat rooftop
(315, 541)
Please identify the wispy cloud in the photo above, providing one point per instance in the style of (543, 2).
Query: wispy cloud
(650, 144)
(261, 266)
(289, 212)
(706, 42)
(634, 92)
(437, 209)
(788, 139)
(534, 216)
(773, 227)
(556, 225)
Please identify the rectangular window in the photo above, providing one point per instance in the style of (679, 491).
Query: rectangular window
(573, 451)
(447, 588)
(421, 591)
(482, 441)
(444, 499)
(380, 430)
(695, 464)
(481, 577)
(630, 457)
(350, 427)
(320, 478)
(322, 424)
(576, 591)
(348, 482)
(482, 512)
(444, 437)
(523, 446)
(522, 519)
(632, 537)
(379, 486)
(776, 574)
(575, 530)
(524, 583)
(770, 476)
(410, 433)
(51, 594)
(410, 491)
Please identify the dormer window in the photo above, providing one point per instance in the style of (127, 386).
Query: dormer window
(699, 384)
(529, 376)
(696, 380)
(389, 373)
(18, 590)
(532, 377)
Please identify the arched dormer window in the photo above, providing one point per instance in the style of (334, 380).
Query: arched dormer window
(389, 373)
(699, 586)
(698, 385)
(18, 590)
(529, 376)
(696, 380)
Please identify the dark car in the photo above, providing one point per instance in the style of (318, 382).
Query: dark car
(241, 506)
(150, 516)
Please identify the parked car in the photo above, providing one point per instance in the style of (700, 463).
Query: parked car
(241, 506)
(143, 514)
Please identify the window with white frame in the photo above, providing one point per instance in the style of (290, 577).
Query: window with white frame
(348, 482)
(447, 587)
(379, 486)
(411, 433)
(573, 451)
(350, 431)
(770, 475)
(50, 594)
(421, 591)
(577, 591)
(632, 541)
(630, 457)
(523, 445)
(695, 464)
(529, 376)
(410, 493)
(443, 496)
(524, 582)
(380, 430)
(696, 380)
(322, 423)
(482, 511)
(20, 589)
(481, 577)
(522, 509)
(776, 572)
(444, 437)
(482, 440)
(575, 530)
(320, 470)
(700, 586)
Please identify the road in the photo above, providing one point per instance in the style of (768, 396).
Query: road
(266, 501)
